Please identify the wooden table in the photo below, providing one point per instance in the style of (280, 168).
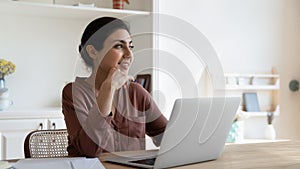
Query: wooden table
(276, 155)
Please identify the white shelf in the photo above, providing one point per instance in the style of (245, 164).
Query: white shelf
(25, 113)
(252, 87)
(252, 81)
(63, 11)
(252, 75)
(259, 114)
(262, 113)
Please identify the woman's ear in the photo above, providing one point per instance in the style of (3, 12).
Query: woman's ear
(90, 49)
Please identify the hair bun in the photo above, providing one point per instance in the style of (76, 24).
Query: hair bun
(79, 47)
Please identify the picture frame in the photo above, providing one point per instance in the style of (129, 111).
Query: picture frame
(251, 102)
(144, 80)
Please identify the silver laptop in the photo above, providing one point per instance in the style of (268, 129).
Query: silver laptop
(196, 132)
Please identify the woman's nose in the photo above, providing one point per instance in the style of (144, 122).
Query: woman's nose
(127, 52)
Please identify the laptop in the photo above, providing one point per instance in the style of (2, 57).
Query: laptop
(196, 132)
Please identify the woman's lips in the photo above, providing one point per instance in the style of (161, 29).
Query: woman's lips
(124, 65)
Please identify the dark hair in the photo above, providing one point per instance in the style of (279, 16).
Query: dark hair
(96, 32)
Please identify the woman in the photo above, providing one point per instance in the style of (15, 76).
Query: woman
(106, 111)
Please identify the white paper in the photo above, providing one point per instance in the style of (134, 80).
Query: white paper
(4, 165)
(59, 163)
(88, 163)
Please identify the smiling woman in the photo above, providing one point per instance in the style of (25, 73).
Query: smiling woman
(107, 111)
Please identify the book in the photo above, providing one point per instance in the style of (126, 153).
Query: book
(91, 5)
(251, 102)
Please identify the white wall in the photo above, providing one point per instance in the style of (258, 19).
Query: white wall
(45, 53)
(245, 34)
(288, 122)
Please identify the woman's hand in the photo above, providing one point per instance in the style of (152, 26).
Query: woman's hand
(118, 78)
(114, 81)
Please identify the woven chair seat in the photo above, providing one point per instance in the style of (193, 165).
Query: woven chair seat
(46, 143)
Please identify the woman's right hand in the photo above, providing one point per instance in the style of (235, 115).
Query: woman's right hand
(114, 81)
(118, 78)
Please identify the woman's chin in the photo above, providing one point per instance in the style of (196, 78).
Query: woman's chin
(124, 70)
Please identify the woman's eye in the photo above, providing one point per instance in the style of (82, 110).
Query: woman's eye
(131, 47)
(118, 46)
(121, 46)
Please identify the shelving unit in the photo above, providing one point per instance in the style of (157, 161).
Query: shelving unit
(267, 87)
(267, 83)
(63, 11)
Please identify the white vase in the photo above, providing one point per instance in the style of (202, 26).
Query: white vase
(5, 102)
(270, 132)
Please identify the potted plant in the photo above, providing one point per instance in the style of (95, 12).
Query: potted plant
(236, 133)
(270, 132)
(6, 68)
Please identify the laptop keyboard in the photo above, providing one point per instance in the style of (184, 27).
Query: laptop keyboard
(149, 161)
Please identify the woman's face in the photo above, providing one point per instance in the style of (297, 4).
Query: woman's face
(117, 51)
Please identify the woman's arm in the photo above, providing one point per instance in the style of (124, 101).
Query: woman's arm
(86, 129)
(155, 120)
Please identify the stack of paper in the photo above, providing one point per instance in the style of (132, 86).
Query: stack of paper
(5, 165)
(59, 163)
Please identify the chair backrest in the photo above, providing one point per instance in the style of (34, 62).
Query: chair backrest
(46, 143)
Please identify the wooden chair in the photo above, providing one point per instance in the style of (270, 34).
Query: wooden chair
(46, 143)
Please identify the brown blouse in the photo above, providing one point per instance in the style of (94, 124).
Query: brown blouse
(90, 134)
